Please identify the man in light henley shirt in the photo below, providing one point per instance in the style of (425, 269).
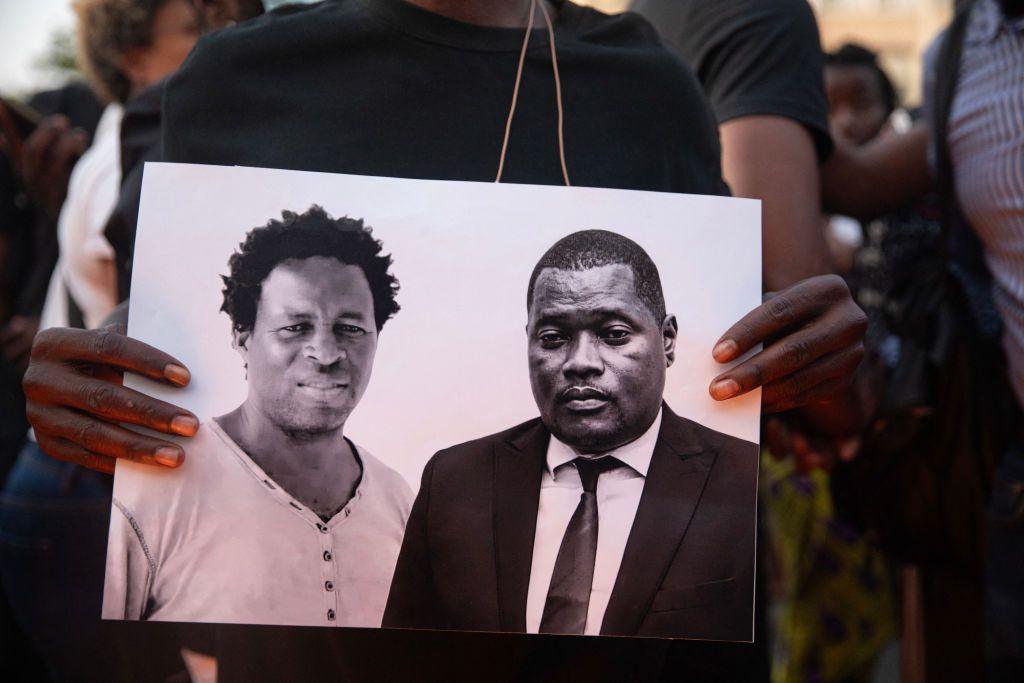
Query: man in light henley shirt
(276, 517)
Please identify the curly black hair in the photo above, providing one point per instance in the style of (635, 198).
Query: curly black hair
(302, 236)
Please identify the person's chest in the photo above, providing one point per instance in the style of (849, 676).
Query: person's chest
(242, 550)
(403, 108)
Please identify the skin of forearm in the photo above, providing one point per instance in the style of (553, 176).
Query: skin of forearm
(882, 176)
(773, 159)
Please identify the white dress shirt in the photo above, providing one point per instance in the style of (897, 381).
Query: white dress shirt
(216, 540)
(618, 497)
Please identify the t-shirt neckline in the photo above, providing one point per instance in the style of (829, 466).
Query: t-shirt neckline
(282, 496)
(435, 28)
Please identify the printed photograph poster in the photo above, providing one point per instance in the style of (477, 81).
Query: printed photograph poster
(441, 405)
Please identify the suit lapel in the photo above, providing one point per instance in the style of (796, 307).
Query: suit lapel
(518, 468)
(676, 478)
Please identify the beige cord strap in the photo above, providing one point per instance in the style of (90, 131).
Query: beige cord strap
(515, 91)
(558, 92)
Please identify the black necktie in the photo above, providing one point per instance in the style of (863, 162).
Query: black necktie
(565, 610)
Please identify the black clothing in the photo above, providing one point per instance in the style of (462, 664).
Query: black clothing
(30, 252)
(30, 246)
(18, 217)
(16, 220)
(753, 57)
(76, 101)
(380, 87)
(466, 557)
(16, 223)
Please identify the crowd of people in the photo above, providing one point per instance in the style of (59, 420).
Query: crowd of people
(892, 370)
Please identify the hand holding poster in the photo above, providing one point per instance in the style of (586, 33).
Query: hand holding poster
(354, 338)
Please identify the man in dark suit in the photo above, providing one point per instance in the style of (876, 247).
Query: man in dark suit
(608, 514)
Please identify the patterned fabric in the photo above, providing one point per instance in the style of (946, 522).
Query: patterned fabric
(986, 144)
(834, 607)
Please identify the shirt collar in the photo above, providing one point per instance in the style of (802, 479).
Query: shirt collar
(637, 454)
(987, 21)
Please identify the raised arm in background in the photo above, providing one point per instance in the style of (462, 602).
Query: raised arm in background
(879, 177)
(773, 159)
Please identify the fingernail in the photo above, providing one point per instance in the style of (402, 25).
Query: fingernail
(725, 350)
(171, 457)
(185, 425)
(177, 374)
(724, 388)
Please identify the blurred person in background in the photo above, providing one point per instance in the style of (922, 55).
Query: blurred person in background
(836, 601)
(124, 47)
(863, 106)
(51, 562)
(27, 253)
(961, 309)
(30, 198)
(861, 98)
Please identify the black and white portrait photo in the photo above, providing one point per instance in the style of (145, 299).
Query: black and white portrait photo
(598, 515)
(307, 296)
(442, 405)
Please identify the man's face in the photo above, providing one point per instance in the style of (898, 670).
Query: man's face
(310, 352)
(597, 356)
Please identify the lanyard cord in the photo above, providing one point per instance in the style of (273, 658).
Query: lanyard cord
(515, 91)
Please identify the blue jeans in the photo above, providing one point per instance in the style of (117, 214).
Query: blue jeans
(53, 538)
(1004, 581)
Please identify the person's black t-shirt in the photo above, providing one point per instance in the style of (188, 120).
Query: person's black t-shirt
(752, 57)
(380, 87)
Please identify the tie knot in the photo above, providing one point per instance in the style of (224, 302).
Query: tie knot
(591, 468)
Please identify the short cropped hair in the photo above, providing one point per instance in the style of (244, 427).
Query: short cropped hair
(302, 236)
(588, 249)
(107, 30)
(852, 54)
